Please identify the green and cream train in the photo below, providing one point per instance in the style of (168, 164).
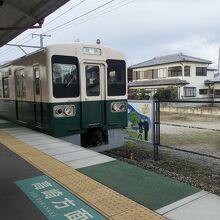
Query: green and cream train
(74, 91)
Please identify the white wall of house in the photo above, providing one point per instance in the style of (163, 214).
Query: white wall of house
(197, 81)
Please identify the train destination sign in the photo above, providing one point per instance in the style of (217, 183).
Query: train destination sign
(55, 202)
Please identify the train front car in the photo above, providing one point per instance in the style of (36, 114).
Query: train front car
(88, 95)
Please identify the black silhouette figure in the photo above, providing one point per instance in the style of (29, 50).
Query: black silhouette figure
(143, 126)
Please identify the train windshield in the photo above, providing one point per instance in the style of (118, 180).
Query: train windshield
(116, 76)
(65, 76)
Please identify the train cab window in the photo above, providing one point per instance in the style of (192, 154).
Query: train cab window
(92, 80)
(65, 76)
(5, 83)
(116, 77)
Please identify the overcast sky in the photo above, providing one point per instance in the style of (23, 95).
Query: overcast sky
(142, 29)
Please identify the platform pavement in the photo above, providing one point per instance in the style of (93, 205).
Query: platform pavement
(12, 200)
(61, 192)
(191, 203)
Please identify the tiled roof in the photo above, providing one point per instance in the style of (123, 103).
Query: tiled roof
(157, 82)
(173, 58)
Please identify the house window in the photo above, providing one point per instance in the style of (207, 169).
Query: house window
(217, 92)
(201, 71)
(148, 74)
(137, 74)
(203, 91)
(186, 70)
(175, 71)
(190, 91)
(134, 75)
(155, 73)
(5, 83)
(162, 73)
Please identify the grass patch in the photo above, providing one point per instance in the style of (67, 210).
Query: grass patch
(192, 137)
(174, 116)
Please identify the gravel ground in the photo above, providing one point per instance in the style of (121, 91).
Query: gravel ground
(210, 163)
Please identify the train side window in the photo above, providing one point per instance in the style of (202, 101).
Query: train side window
(0, 91)
(20, 83)
(23, 85)
(37, 80)
(92, 80)
(116, 77)
(5, 82)
(17, 84)
(65, 76)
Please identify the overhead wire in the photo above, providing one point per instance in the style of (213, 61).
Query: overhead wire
(64, 13)
(66, 27)
(91, 17)
(80, 16)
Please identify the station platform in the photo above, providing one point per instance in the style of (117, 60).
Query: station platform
(43, 177)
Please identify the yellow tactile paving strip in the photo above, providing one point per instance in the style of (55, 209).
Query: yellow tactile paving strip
(106, 201)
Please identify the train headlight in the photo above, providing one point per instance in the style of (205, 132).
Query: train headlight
(118, 107)
(115, 107)
(59, 111)
(64, 111)
(68, 111)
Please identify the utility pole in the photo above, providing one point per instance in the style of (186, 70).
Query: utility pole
(37, 47)
(41, 38)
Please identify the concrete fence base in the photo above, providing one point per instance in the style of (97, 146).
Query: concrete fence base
(192, 110)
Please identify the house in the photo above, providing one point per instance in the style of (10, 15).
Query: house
(216, 82)
(215, 85)
(187, 73)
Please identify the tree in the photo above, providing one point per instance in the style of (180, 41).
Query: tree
(134, 118)
(169, 93)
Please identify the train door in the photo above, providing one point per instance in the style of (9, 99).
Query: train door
(92, 94)
(20, 89)
(37, 95)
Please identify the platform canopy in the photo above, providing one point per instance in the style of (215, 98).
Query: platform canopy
(20, 15)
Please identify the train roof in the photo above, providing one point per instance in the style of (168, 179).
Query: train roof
(75, 45)
(49, 47)
(8, 63)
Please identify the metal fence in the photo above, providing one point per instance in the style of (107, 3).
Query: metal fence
(185, 126)
(189, 126)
